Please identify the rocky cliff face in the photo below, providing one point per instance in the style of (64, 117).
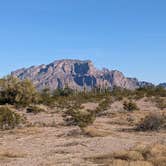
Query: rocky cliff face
(76, 74)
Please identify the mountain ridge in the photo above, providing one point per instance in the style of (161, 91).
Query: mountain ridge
(162, 85)
(77, 74)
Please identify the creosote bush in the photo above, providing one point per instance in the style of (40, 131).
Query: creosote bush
(75, 115)
(151, 122)
(8, 118)
(130, 106)
(83, 118)
(103, 106)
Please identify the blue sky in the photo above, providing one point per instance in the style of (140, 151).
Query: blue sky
(127, 35)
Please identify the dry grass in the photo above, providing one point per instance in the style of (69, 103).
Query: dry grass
(6, 154)
(131, 163)
(48, 141)
(44, 124)
(125, 118)
(141, 155)
(95, 132)
(26, 131)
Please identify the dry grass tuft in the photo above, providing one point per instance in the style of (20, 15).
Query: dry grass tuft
(132, 163)
(27, 131)
(128, 155)
(141, 155)
(94, 132)
(4, 154)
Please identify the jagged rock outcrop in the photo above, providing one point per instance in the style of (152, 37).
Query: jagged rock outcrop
(76, 74)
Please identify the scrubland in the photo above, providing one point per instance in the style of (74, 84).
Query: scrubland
(101, 127)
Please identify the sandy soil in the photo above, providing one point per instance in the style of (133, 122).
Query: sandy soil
(48, 142)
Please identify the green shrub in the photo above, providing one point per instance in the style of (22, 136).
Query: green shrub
(63, 92)
(103, 105)
(46, 97)
(8, 118)
(150, 91)
(130, 106)
(119, 93)
(17, 92)
(151, 122)
(34, 109)
(81, 118)
(76, 115)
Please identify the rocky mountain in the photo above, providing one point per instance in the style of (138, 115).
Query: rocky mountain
(76, 74)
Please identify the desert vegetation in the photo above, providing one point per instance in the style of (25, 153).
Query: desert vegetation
(34, 109)
(140, 155)
(16, 92)
(8, 118)
(152, 122)
(130, 106)
(96, 121)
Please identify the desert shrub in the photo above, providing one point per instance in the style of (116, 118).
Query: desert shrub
(34, 109)
(46, 97)
(130, 106)
(63, 92)
(138, 94)
(140, 155)
(8, 118)
(81, 118)
(160, 103)
(151, 122)
(103, 106)
(66, 92)
(60, 95)
(119, 93)
(150, 91)
(76, 115)
(17, 92)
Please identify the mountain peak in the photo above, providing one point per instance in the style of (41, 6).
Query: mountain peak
(77, 74)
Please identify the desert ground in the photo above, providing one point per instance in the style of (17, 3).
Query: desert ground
(110, 141)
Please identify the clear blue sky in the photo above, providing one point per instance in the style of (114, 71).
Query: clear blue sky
(128, 35)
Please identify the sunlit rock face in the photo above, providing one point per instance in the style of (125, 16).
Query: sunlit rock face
(76, 74)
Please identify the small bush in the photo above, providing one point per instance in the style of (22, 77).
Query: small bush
(151, 122)
(16, 92)
(34, 109)
(160, 103)
(130, 106)
(84, 118)
(103, 105)
(46, 97)
(63, 92)
(81, 118)
(8, 118)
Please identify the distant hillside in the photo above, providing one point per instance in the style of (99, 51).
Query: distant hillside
(76, 74)
(163, 85)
